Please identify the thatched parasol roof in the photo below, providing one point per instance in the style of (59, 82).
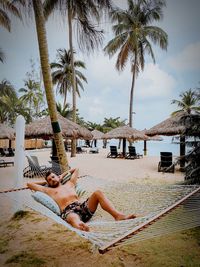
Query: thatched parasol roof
(170, 126)
(125, 132)
(42, 128)
(97, 134)
(6, 132)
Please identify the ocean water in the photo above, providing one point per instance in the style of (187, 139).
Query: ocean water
(153, 147)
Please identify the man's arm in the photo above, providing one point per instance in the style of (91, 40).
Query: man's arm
(74, 177)
(38, 186)
(64, 173)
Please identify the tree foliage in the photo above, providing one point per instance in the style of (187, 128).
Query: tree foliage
(134, 36)
(62, 74)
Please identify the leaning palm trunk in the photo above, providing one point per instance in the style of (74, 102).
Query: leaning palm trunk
(41, 34)
(132, 93)
(73, 144)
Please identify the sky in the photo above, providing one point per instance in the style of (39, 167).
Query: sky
(107, 92)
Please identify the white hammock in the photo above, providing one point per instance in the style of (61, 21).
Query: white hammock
(150, 200)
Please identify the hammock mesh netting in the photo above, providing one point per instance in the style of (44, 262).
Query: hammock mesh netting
(144, 200)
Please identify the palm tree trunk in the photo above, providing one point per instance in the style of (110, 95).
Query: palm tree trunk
(132, 93)
(73, 144)
(43, 50)
(65, 95)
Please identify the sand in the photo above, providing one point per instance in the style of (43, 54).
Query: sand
(27, 240)
(142, 170)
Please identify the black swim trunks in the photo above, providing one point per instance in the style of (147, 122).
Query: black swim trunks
(79, 208)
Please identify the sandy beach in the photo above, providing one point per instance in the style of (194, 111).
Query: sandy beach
(142, 170)
(27, 240)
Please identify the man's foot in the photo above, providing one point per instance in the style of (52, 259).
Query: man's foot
(122, 216)
(81, 226)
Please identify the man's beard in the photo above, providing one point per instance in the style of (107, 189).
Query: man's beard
(54, 185)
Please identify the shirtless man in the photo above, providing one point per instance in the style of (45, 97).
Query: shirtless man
(72, 211)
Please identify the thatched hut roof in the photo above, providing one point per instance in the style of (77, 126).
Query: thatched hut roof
(97, 134)
(6, 132)
(42, 128)
(125, 132)
(170, 126)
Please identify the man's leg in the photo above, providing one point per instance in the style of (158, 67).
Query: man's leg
(98, 197)
(74, 220)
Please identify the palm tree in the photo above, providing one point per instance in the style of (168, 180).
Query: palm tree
(11, 107)
(32, 96)
(189, 102)
(79, 11)
(133, 36)
(111, 123)
(10, 104)
(6, 88)
(65, 111)
(63, 74)
(46, 71)
(6, 7)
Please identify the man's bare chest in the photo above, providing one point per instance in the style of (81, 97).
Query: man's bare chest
(63, 192)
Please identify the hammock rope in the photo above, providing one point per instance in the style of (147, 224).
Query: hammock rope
(106, 233)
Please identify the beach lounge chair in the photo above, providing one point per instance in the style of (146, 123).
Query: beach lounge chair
(132, 153)
(80, 150)
(35, 169)
(10, 152)
(166, 162)
(4, 152)
(4, 163)
(114, 153)
(94, 150)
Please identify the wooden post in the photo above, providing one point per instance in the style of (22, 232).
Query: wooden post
(124, 147)
(182, 152)
(145, 148)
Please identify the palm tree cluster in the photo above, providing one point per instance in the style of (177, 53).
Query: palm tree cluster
(108, 124)
(28, 103)
(133, 31)
(189, 103)
(10, 104)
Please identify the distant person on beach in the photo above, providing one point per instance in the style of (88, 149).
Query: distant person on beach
(72, 211)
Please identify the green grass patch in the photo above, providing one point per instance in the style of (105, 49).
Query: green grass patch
(3, 245)
(195, 233)
(26, 259)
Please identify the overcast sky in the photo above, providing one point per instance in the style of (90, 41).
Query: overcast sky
(107, 91)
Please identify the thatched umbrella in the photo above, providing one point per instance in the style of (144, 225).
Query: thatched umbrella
(125, 132)
(150, 138)
(42, 128)
(6, 132)
(96, 136)
(169, 127)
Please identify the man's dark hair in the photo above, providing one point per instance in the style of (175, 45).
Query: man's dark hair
(47, 174)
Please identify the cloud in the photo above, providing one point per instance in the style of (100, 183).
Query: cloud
(154, 82)
(187, 59)
(102, 70)
(107, 93)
